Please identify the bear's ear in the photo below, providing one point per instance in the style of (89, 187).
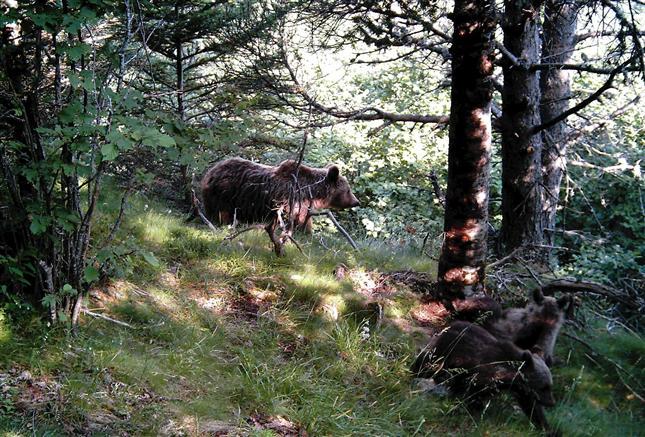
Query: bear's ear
(537, 350)
(538, 296)
(333, 173)
(527, 356)
(564, 301)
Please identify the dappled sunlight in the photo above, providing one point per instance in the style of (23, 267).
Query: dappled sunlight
(5, 328)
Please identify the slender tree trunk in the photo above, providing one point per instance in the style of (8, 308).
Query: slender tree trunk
(463, 255)
(521, 151)
(558, 43)
(181, 111)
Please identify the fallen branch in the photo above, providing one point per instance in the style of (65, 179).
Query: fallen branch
(104, 317)
(506, 258)
(570, 286)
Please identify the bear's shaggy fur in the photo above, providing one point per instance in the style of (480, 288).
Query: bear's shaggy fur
(475, 364)
(247, 192)
(537, 324)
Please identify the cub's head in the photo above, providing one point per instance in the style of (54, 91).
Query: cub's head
(538, 377)
(340, 194)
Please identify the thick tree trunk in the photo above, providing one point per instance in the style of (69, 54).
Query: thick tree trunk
(521, 150)
(558, 43)
(463, 255)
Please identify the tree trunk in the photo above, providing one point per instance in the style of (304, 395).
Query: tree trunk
(558, 43)
(181, 111)
(463, 255)
(521, 150)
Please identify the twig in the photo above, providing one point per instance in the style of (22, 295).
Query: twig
(238, 233)
(104, 317)
(584, 103)
(506, 258)
(293, 240)
(198, 210)
(531, 272)
(338, 226)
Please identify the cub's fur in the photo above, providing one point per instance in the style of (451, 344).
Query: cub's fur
(537, 324)
(475, 364)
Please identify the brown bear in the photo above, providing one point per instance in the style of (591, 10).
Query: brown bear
(475, 364)
(537, 324)
(248, 192)
(476, 309)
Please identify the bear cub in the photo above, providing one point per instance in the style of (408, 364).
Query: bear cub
(537, 324)
(475, 364)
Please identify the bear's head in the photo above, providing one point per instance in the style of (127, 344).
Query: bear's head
(538, 377)
(340, 195)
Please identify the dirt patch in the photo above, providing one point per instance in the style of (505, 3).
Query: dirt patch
(431, 314)
(418, 282)
(28, 393)
(277, 424)
(114, 292)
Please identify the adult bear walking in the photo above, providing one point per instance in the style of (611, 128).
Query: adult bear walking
(256, 193)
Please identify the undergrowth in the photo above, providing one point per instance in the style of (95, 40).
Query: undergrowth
(224, 335)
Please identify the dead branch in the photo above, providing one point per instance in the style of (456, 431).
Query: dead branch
(238, 233)
(584, 103)
(104, 317)
(505, 259)
(576, 286)
(293, 240)
(575, 67)
(575, 134)
(117, 223)
(364, 114)
(198, 209)
(338, 226)
(528, 268)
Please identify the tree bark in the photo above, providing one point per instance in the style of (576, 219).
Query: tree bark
(558, 42)
(521, 150)
(463, 255)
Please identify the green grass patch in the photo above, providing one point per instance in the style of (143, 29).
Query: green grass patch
(222, 330)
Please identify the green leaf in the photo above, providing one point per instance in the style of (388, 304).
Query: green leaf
(77, 51)
(109, 151)
(39, 224)
(166, 140)
(90, 274)
(49, 301)
(69, 290)
(62, 316)
(150, 258)
(74, 80)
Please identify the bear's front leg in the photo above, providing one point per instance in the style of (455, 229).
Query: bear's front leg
(535, 413)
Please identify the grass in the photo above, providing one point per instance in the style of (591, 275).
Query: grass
(224, 331)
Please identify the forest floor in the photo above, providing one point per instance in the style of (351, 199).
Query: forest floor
(223, 338)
